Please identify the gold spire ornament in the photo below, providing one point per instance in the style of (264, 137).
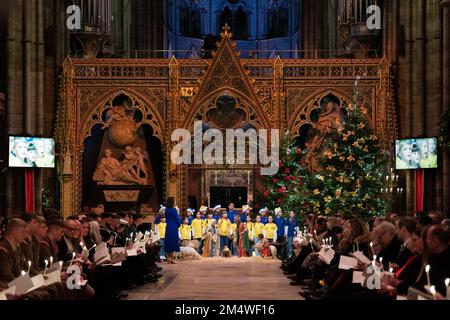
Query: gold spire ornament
(226, 34)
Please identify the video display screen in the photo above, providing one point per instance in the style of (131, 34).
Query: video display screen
(416, 154)
(29, 152)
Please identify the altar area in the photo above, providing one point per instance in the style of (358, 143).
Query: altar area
(116, 117)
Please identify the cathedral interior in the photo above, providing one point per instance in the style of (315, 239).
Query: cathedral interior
(117, 85)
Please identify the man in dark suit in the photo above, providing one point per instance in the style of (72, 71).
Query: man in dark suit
(386, 236)
(437, 242)
(405, 228)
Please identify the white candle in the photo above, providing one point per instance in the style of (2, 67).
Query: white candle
(60, 264)
(29, 266)
(92, 247)
(357, 245)
(433, 291)
(447, 284)
(23, 273)
(427, 270)
(371, 247)
(73, 257)
(51, 262)
(311, 243)
(391, 270)
(46, 264)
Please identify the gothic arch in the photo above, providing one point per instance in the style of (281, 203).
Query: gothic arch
(150, 115)
(303, 113)
(253, 112)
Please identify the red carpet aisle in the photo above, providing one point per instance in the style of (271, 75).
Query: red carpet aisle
(219, 279)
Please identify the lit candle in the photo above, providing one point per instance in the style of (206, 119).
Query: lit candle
(29, 266)
(447, 284)
(427, 270)
(391, 270)
(92, 247)
(46, 264)
(23, 273)
(60, 264)
(374, 262)
(357, 245)
(311, 243)
(371, 247)
(51, 262)
(73, 257)
(433, 291)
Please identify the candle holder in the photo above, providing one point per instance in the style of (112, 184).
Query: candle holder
(392, 190)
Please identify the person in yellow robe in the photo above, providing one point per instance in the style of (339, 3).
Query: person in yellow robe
(161, 229)
(258, 229)
(270, 231)
(197, 231)
(224, 226)
(185, 230)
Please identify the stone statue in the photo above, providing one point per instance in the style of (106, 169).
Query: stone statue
(330, 120)
(141, 167)
(110, 172)
(118, 113)
(121, 126)
(128, 172)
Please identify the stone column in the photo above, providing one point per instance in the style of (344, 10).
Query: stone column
(39, 91)
(28, 54)
(408, 103)
(433, 181)
(446, 98)
(14, 115)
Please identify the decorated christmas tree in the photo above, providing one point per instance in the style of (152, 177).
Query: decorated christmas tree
(287, 188)
(351, 180)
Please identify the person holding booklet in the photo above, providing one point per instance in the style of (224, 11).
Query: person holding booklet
(12, 263)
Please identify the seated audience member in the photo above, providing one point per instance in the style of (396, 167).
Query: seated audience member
(408, 274)
(405, 227)
(70, 242)
(437, 244)
(436, 217)
(446, 224)
(12, 262)
(385, 235)
(86, 235)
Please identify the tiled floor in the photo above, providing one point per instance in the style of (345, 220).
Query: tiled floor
(220, 279)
